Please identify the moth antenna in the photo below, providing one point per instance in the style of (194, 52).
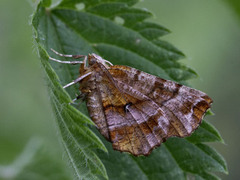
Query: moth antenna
(108, 62)
(77, 80)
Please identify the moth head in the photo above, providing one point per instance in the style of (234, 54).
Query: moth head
(93, 58)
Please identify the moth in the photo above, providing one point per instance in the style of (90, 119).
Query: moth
(134, 110)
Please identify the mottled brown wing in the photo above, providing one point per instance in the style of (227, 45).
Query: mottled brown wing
(137, 111)
(179, 109)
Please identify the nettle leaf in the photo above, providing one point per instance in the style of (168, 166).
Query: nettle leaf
(120, 33)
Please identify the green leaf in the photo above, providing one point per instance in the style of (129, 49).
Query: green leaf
(205, 133)
(151, 31)
(78, 140)
(133, 42)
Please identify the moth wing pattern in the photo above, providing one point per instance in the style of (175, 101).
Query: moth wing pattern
(137, 111)
(168, 108)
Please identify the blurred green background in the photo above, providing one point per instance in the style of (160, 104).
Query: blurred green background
(208, 32)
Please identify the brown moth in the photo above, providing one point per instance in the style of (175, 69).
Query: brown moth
(134, 110)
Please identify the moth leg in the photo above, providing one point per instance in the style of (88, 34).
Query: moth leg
(77, 80)
(66, 62)
(81, 96)
(85, 61)
(68, 55)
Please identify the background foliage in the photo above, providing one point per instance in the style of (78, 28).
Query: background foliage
(30, 98)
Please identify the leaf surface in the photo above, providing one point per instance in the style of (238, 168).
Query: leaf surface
(133, 42)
